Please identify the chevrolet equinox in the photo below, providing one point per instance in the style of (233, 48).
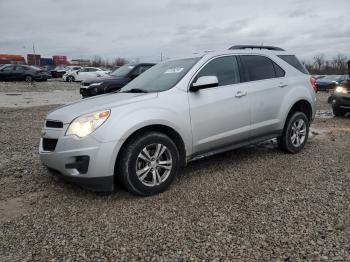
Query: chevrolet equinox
(178, 111)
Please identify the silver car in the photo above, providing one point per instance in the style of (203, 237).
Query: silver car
(178, 111)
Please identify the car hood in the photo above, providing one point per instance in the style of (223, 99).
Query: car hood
(69, 112)
(105, 78)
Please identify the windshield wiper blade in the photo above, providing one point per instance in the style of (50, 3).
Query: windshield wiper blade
(135, 90)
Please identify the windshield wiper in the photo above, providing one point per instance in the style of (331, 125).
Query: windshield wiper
(135, 90)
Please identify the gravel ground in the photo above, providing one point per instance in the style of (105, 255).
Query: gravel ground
(252, 204)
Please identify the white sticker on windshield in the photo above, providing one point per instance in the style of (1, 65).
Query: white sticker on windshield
(174, 70)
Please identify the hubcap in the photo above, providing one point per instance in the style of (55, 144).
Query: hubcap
(154, 164)
(298, 133)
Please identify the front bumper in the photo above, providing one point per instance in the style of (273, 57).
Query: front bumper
(96, 172)
(341, 101)
(89, 91)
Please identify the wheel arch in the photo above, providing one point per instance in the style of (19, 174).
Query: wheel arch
(161, 128)
(303, 106)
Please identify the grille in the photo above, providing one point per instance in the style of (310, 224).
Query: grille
(54, 124)
(49, 144)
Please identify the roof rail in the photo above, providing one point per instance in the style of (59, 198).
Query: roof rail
(274, 48)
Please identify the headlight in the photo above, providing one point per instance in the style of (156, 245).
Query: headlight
(86, 124)
(341, 89)
(96, 84)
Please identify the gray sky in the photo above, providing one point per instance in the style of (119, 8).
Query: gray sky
(144, 29)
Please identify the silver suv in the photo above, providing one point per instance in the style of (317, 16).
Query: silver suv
(178, 111)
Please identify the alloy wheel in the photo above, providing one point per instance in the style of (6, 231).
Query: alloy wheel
(154, 164)
(298, 133)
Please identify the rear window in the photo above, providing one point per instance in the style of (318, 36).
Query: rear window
(294, 62)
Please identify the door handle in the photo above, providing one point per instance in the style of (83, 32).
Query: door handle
(282, 85)
(240, 94)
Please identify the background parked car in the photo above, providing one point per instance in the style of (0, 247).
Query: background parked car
(329, 82)
(114, 81)
(58, 71)
(22, 72)
(84, 73)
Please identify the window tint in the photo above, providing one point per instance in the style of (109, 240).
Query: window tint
(139, 70)
(8, 68)
(224, 68)
(257, 67)
(278, 70)
(19, 68)
(293, 61)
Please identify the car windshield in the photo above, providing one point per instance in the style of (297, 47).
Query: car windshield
(122, 71)
(162, 76)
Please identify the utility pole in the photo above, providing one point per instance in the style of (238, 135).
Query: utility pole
(161, 56)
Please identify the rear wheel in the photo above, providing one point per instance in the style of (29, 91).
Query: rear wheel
(148, 163)
(295, 133)
(28, 78)
(338, 111)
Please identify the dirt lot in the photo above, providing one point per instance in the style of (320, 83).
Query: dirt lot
(255, 203)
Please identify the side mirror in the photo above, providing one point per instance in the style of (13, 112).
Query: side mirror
(204, 82)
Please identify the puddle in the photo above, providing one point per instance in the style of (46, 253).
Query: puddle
(324, 114)
(12, 208)
(13, 94)
(25, 99)
(19, 206)
(318, 132)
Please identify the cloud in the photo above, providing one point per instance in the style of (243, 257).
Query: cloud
(143, 29)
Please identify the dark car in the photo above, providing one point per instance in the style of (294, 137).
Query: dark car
(329, 82)
(22, 72)
(114, 81)
(340, 97)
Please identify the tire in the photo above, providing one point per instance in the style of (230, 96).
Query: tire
(330, 99)
(338, 111)
(153, 177)
(28, 78)
(70, 79)
(292, 129)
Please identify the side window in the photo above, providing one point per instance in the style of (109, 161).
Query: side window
(19, 68)
(257, 67)
(293, 61)
(140, 70)
(278, 70)
(92, 69)
(224, 68)
(8, 69)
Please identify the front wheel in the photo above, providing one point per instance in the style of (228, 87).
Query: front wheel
(148, 164)
(295, 133)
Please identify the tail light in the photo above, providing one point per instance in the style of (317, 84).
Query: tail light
(313, 83)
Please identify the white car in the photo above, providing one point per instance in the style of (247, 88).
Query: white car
(85, 73)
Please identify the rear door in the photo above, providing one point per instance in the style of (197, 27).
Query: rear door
(267, 88)
(19, 73)
(220, 116)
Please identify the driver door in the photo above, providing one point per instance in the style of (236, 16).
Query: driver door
(220, 116)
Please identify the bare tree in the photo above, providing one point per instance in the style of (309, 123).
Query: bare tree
(339, 62)
(120, 61)
(96, 61)
(319, 61)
